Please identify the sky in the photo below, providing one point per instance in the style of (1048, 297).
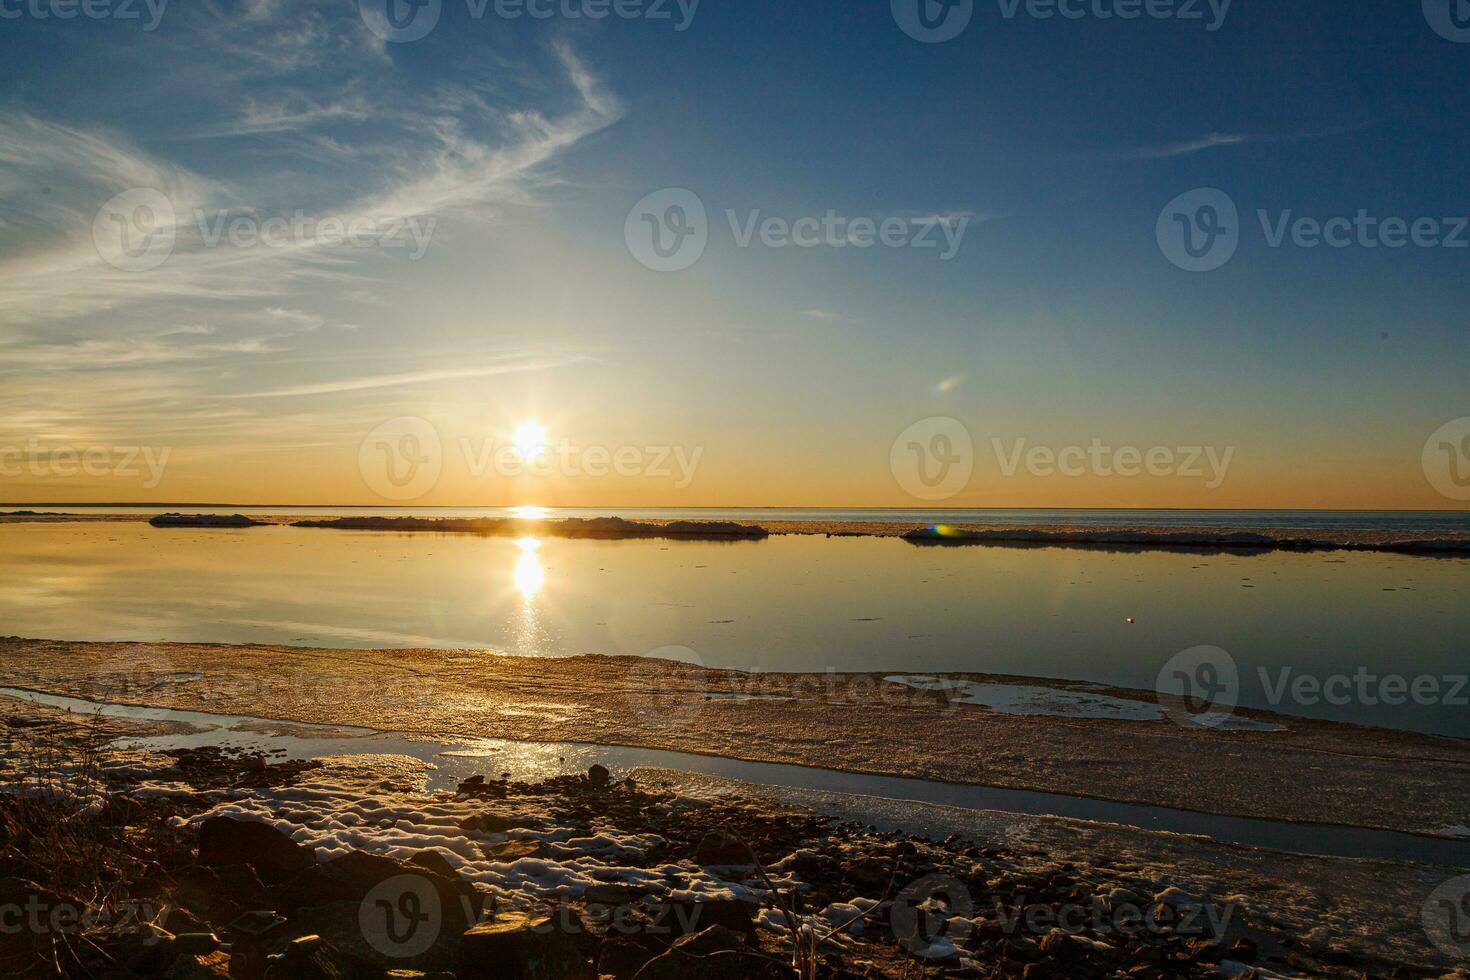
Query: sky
(287, 252)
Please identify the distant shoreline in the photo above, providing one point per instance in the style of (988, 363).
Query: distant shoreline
(1242, 539)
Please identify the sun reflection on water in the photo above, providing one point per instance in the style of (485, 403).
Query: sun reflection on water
(530, 574)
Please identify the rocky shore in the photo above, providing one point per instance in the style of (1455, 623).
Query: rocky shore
(202, 863)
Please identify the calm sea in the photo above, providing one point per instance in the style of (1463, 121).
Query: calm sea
(788, 603)
(1407, 521)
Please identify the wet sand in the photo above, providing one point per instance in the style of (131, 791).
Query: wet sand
(1310, 771)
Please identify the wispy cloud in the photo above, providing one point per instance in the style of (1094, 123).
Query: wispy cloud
(513, 366)
(1219, 140)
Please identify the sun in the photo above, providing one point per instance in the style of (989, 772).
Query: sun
(529, 439)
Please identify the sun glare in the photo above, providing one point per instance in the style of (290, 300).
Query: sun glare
(529, 439)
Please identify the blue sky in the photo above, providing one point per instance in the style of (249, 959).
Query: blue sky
(522, 144)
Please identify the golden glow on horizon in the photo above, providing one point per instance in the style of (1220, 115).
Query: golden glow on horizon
(529, 512)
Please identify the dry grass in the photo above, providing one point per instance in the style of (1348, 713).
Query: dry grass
(61, 830)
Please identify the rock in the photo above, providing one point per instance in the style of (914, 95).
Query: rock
(611, 894)
(357, 875)
(511, 851)
(684, 917)
(517, 946)
(598, 776)
(622, 958)
(218, 895)
(489, 823)
(215, 966)
(310, 958)
(225, 841)
(718, 848)
(180, 920)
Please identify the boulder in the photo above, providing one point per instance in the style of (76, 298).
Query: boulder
(718, 848)
(679, 918)
(598, 776)
(310, 958)
(276, 858)
(518, 946)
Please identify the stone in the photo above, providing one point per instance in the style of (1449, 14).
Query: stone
(215, 966)
(518, 946)
(718, 848)
(225, 841)
(598, 776)
(310, 958)
(684, 917)
(511, 851)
